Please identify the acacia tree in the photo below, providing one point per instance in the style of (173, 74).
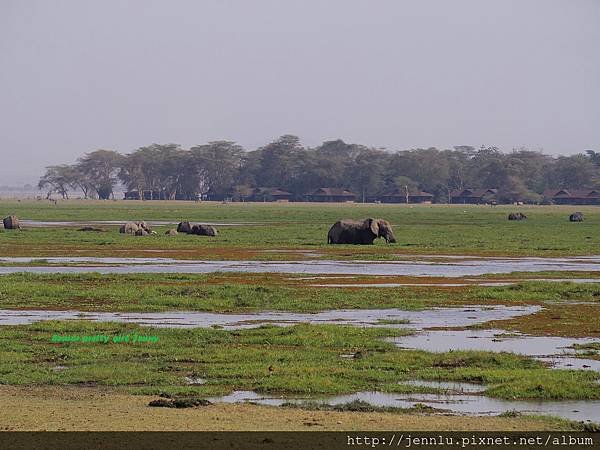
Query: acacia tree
(280, 163)
(428, 168)
(57, 179)
(488, 168)
(223, 168)
(574, 172)
(132, 173)
(328, 165)
(529, 167)
(594, 156)
(79, 181)
(458, 170)
(173, 170)
(216, 166)
(157, 168)
(367, 172)
(100, 169)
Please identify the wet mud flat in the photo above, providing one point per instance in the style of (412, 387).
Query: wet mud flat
(437, 266)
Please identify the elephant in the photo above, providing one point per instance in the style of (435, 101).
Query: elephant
(204, 230)
(144, 226)
(198, 229)
(348, 231)
(135, 227)
(129, 228)
(184, 227)
(517, 216)
(576, 217)
(11, 223)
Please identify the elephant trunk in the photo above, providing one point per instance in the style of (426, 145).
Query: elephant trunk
(390, 238)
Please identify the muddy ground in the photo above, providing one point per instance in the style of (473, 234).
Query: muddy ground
(95, 409)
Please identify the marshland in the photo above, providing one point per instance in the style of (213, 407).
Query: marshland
(315, 340)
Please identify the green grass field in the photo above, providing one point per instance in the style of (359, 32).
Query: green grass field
(420, 229)
(304, 359)
(256, 292)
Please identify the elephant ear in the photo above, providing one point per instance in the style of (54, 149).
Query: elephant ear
(374, 226)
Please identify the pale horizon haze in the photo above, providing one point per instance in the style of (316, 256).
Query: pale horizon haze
(80, 75)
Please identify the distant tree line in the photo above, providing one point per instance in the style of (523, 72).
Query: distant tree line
(223, 169)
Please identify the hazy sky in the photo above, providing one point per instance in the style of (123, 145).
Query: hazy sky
(80, 75)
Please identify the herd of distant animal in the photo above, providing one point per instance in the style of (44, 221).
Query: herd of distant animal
(141, 228)
(346, 231)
